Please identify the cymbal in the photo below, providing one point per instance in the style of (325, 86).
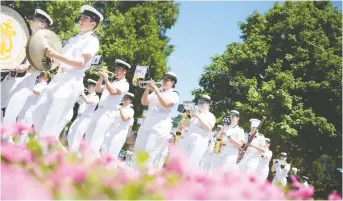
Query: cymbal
(35, 49)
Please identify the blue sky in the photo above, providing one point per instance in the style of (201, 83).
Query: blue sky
(204, 29)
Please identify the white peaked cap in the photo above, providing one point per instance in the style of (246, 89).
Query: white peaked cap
(41, 12)
(254, 123)
(93, 10)
(130, 94)
(119, 61)
(171, 73)
(206, 97)
(283, 154)
(92, 81)
(234, 111)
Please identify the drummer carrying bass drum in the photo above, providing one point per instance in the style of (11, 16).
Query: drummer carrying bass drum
(18, 86)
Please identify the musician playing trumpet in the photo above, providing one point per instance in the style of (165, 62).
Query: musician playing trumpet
(112, 95)
(195, 143)
(252, 155)
(153, 133)
(232, 139)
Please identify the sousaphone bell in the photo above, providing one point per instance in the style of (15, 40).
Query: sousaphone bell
(35, 49)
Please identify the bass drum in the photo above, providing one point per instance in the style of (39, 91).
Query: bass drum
(14, 34)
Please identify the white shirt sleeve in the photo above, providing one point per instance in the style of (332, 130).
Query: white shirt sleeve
(91, 47)
(95, 100)
(240, 134)
(175, 99)
(212, 120)
(269, 155)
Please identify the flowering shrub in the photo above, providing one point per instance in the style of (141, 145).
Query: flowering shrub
(42, 170)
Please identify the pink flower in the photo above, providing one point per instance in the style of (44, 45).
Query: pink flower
(178, 162)
(16, 152)
(18, 127)
(17, 184)
(54, 157)
(301, 194)
(334, 196)
(49, 140)
(76, 172)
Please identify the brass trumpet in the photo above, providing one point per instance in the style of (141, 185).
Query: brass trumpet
(144, 84)
(98, 70)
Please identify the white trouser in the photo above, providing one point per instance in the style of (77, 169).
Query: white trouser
(228, 158)
(65, 120)
(159, 162)
(263, 170)
(151, 138)
(55, 103)
(76, 132)
(8, 86)
(99, 125)
(195, 144)
(26, 119)
(249, 162)
(114, 141)
(18, 98)
(207, 160)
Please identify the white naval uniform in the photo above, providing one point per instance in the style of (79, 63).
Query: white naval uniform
(104, 116)
(116, 135)
(263, 165)
(79, 126)
(228, 154)
(153, 133)
(64, 89)
(18, 97)
(281, 174)
(195, 143)
(8, 85)
(25, 117)
(208, 157)
(251, 158)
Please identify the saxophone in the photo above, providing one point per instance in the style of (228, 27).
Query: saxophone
(178, 133)
(218, 144)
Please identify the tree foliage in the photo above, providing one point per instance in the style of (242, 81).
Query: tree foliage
(288, 68)
(134, 31)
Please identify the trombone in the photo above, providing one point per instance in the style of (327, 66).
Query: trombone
(97, 70)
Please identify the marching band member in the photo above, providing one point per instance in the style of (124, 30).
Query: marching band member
(60, 96)
(281, 168)
(263, 165)
(195, 142)
(18, 84)
(86, 109)
(252, 156)
(118, 131)
(157, 124)
(232, 140)
(112, 95)
(208, 157)
(25, 116)
(305, 183)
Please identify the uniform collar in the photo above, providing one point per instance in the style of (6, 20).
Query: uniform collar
(86, 34)
(43, 82)
(92, 94)
(169, 90)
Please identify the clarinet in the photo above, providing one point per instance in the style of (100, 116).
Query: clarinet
(246, 145)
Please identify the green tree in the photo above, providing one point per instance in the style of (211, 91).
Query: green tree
(132, 31)
(176, 120)
(288, 68)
